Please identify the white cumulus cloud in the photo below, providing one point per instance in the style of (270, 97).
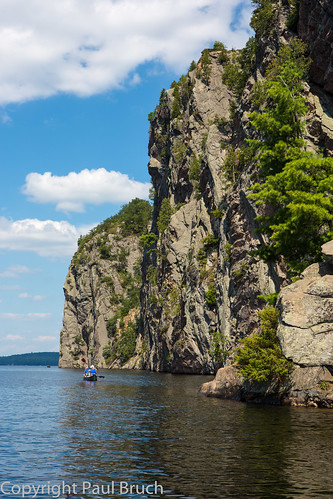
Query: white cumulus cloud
(26, 295)
(13, 337)
(43, 339)
(84, 47)
(47, 238)
(13, 271)
(24, 317)
(72, 191)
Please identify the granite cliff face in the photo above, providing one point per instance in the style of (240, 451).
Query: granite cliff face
(204, 252)
(102, 306)
(201, 283)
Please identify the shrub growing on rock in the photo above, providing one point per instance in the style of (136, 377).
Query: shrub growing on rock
(259, 357)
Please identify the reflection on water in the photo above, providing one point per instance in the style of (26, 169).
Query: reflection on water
(140, 427)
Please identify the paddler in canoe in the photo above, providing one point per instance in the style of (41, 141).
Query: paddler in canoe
(90, 374)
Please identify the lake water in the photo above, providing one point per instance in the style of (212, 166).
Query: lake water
(149, 430)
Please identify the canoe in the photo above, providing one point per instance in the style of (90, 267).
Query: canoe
(93, 377)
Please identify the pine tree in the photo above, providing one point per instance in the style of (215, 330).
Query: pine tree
(298, 185)
(280, 123)
(302, 198)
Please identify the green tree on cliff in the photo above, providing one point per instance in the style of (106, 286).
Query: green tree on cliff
(280, 123)
(298, 185)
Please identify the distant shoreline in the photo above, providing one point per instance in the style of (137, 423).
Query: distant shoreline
(31, 359)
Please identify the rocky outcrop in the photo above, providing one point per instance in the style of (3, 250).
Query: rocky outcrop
(305, 330)
(307, 386)
(102, 274)
(327, 250)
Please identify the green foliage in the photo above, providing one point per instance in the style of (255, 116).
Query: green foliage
(193, 66)
(152, 275)
(239, 273)
(164, 216)
(181, 90)
(218, 214)
(301, 196)
(178, 151)
(259, 357)
(129, 301)
(220, 121)
(161, 140)
(236, 161)
(149, 241)
(223, 56)
(210, 241)
(126, 342)
(31, 359)
(247, 56)
(324, 385)
(270, 299)
(194, 172)
(211, 296)
(227, 249)
(186, 86)
(259, 93)
(202, 256)
(107, 353)
(263, 16)
(132, 219)
(111, 326)
(218, 45)
(298, 186)
(152, 193)
(229, 165)
(219, 351)
(114, 299)
(104, 252)
(176, 102)
(238, 69)
(232, 76)
(205, 65)
(280, 122)
(153, 115)
(175, 301)
(79, 340)
(232, 110)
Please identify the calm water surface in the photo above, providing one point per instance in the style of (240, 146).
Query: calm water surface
(141, 427)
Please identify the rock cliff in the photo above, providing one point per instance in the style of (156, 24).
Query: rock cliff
(202, 281)
(102, 305)
(305, 332)
(306, 312)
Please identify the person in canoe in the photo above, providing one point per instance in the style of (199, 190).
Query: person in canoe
(93, 370)
(90, 374)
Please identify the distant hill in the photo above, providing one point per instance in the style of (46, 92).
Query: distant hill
(31, 359)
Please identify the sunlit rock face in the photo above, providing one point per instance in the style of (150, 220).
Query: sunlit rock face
(305, 330)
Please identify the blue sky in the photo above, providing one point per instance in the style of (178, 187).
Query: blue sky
(77, 81)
